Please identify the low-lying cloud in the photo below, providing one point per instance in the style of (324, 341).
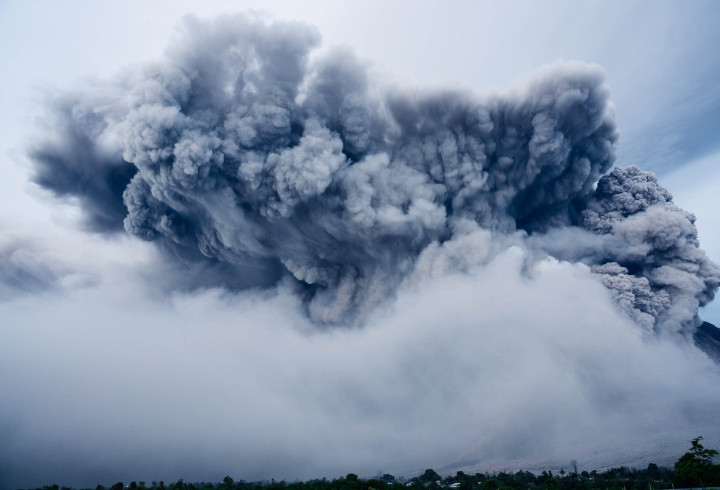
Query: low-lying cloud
(508, 360)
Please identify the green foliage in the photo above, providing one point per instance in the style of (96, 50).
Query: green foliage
(430, 476)
(695, 468)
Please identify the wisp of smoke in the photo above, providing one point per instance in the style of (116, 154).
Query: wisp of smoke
(510, 293)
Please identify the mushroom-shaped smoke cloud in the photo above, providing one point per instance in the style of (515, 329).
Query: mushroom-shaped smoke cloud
(239, 153)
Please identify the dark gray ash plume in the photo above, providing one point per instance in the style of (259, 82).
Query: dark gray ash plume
(238, 152)
(653, 244)
(75, 162)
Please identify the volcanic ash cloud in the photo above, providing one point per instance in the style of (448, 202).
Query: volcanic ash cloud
(250, 165)
(296, 271)
(238, 153)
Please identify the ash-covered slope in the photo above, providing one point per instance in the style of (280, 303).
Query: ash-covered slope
(707, 338)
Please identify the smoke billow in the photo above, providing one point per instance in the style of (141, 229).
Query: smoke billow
(663, 273)
(283, 189)
(239, 150)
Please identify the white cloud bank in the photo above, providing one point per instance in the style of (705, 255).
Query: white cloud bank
(500, 359)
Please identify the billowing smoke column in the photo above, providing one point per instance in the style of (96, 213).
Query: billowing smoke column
(239, 153)
(652, 262)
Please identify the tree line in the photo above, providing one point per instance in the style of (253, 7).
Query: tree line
(694, 469)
